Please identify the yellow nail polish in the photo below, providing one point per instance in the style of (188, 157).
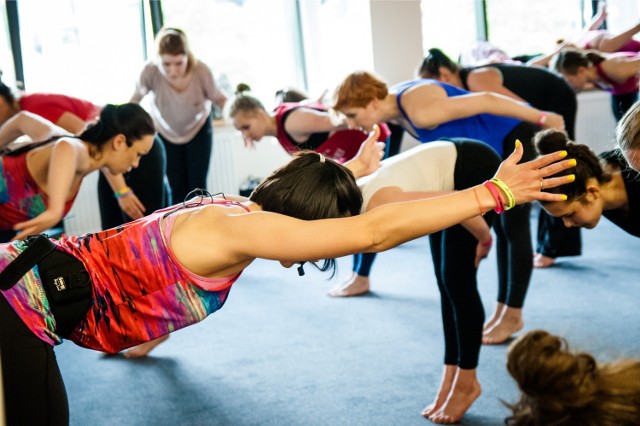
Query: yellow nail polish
(571, 178)
(563, 197)
(573, 162)
(518, 143)
(563, 154)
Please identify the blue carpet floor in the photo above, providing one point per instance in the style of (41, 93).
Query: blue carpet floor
(281, 352)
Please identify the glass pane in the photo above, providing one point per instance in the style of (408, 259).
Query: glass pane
(6, 56)
(248, 41)
(337, 41)
(92, 50)
(449, 25)
(522, 27)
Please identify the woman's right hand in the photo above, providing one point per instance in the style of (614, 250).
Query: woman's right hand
(553, 121)
(38, 224)
(527, 180)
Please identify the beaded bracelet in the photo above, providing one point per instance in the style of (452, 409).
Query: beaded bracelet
(510, 198)
(122, 192)
(496, 196)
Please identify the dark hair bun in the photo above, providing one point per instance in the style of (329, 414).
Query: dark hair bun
(242, 88)
(548, 141)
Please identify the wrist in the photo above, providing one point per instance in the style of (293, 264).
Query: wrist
(123, 192)
(542, 119)
(498, 202)
(486, 242)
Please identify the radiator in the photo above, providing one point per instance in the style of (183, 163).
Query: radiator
(84, 216)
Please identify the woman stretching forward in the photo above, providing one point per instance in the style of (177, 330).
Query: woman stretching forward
(39, 182)
(193, 254)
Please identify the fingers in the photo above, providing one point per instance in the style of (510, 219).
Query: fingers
(557, 181)
(374, 134)
(516, 155)
(545, 160)
(557, 167)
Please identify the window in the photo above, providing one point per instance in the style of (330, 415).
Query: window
(248, 41)
(337, 41)
(449, 25)
(6, 56)
(92, 50)
(531, 27)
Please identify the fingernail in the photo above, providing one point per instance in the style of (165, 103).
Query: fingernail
(573, 162)
(563, 197)
(518, 143)
(563, 154)
(571, 178)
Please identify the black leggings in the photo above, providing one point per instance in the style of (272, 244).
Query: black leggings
(188, 164)
(33, 388)
(148, 182)
(513, 231)
(453, 253)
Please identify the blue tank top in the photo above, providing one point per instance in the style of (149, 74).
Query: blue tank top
(488, 128)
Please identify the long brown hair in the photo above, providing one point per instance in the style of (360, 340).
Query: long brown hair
(566, 388)
(569, 60)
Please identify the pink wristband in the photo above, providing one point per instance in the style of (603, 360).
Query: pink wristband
(542, 119)
(496, 196)
(487, 243)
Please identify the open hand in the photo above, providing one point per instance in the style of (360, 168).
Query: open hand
(527, 180)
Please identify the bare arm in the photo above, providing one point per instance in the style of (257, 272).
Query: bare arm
(229, 243)
(489, 79)
(428, 106)
(621, 68)
(71, 123)
(63, 167)
(302, 122)
(32, 125)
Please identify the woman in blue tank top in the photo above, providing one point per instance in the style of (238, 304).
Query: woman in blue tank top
(429, 110)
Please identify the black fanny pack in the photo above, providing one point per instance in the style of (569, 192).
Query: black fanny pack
(66, 282)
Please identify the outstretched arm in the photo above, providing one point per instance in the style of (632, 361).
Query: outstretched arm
(489, 79)
(32, 125)
(428, 106)
(231, 241)
(303, 121)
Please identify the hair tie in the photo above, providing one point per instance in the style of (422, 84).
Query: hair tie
(322, 158)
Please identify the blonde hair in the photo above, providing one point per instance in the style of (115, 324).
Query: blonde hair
(628, 129)
(561, 387)
(173, 41)
(358, 90)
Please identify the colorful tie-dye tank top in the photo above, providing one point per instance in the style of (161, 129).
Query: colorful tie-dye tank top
(21, 198)
(140, 291)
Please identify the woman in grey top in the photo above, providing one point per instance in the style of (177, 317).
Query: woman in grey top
(183, 90)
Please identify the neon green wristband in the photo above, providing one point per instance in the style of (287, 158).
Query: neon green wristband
(510, 198)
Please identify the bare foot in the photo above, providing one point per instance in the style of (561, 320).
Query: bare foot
(448, 375)
(459, 401)
(542, 261)
(143, 349)
(502, 330)
(500, 307)
(354, 286)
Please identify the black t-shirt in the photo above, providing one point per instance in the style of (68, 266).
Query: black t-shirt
(627, 219)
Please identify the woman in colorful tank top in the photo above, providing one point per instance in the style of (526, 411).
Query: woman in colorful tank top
(308, 125)
(38, 182)
(173, 268)
(429, 110)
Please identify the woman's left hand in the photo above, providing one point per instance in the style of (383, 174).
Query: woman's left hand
(527, 180)
(482, 251)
